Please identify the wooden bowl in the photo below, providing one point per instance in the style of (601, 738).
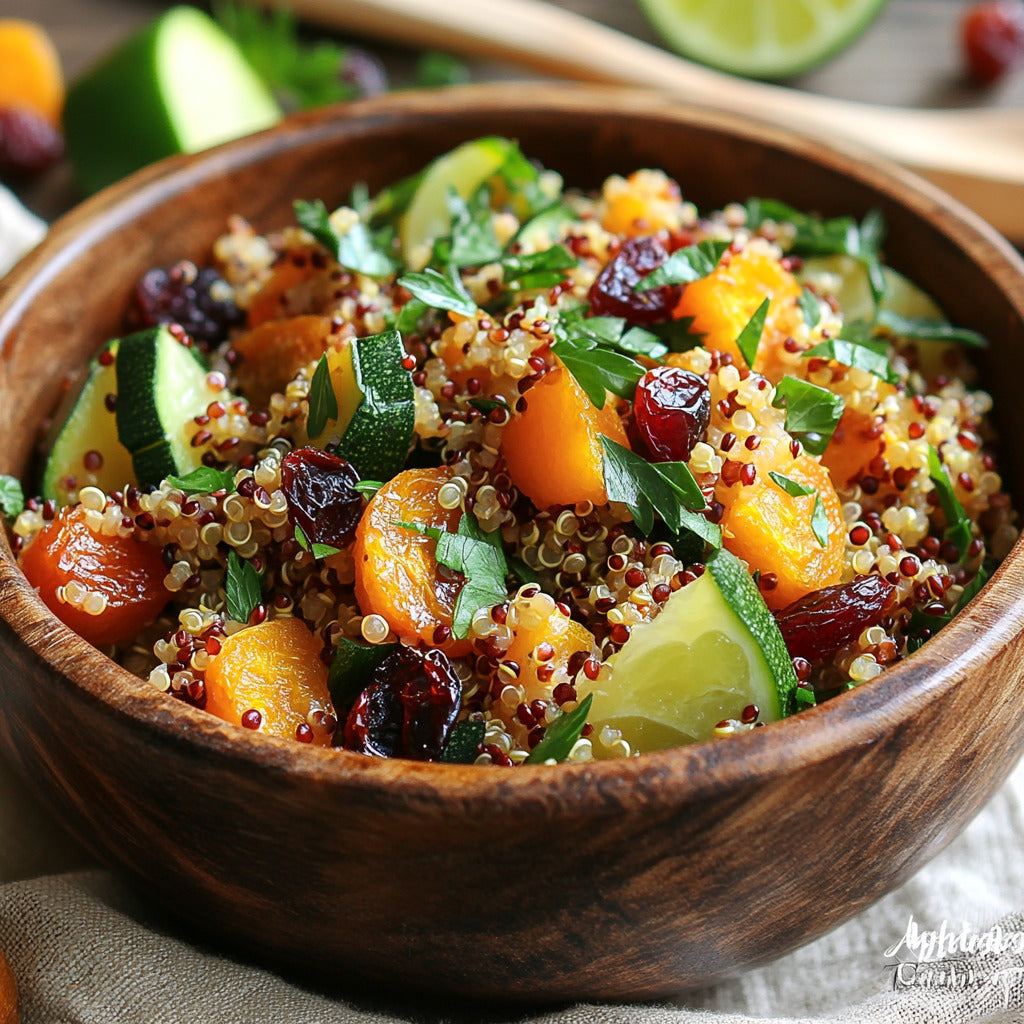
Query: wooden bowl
(609, 880)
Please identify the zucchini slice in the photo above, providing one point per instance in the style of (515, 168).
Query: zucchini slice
(161, 386)
(86, 450)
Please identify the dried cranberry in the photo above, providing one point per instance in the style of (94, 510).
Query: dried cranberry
(184, 295)
(992, 39)
(29, 144)
(322, 499)
(612, 294)
(672, 408)
(817, 625)
(409, 708)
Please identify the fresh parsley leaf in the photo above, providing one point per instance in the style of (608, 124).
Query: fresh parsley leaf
(536, 270)
(522, 572)
(463, 746)
(958, 525)
(811, 412)
(665, 488)
(561, 735)
(436, 70)
(811, 307)
(819, 521)
(804, 696)
(599, 370)
(471, 240)
(317, 550)
(685, 265)
(354, 250)
(323, 402)
(926, 329)
(368, 487)
(353, 664)
(678, 335)
(850, 353)
(523, 183)
(204, 480)
(792, 487)
(640, 342)
(750, 336)
(242, 588)
(300, 76)
(12, 497)
(408, 319)
(440, 291)
(548, 222)
(481, 560)
(972, 588)
(819, 237)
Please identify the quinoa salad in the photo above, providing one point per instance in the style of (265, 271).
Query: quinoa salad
(484, 469)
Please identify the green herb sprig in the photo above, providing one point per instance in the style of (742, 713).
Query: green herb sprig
(665, 488)
(561, 735)
(242, 588)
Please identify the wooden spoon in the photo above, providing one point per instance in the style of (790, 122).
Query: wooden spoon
(976, 155)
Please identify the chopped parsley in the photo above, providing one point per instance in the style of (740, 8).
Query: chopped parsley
(242, 590)
(440, 291)
(355, 250)
(12, 497)
(204, 480)
(958, 525)
(812, 412)
(323, 402)
(750, 336)
(561, 735)
(665, 488)
(685, 265)
(479, 557)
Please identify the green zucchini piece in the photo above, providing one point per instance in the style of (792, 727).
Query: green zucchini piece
(161, 386)
(376, 406)
(88, 429)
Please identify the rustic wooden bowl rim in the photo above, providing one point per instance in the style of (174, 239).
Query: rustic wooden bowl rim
(659, 779)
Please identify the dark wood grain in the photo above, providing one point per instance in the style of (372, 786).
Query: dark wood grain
(607, 880)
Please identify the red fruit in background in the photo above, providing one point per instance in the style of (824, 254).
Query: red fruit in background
(992, 39)
(29, 144)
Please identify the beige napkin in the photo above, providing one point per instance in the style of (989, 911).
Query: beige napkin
(86, 950)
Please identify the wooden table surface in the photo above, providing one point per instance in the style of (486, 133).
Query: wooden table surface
(908, 57)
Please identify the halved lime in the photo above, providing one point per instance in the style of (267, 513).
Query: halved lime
(465, 169)
(761, 38)
(713, 650)
(178, 86)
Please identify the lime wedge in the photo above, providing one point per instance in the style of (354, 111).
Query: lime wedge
(465, 169)
(713, 650)
(761, 38)
(178, 86)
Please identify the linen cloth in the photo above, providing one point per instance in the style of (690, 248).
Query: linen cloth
(86, 949)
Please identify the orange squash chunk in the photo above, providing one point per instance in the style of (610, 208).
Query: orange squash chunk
(544, 635)
(397, 574)
(275, 670)
(722, 304)
(553, 447)
(293, 269)
(270, 355)
(852, 446)
(76, 571)
(771, 530)
(30, 72)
